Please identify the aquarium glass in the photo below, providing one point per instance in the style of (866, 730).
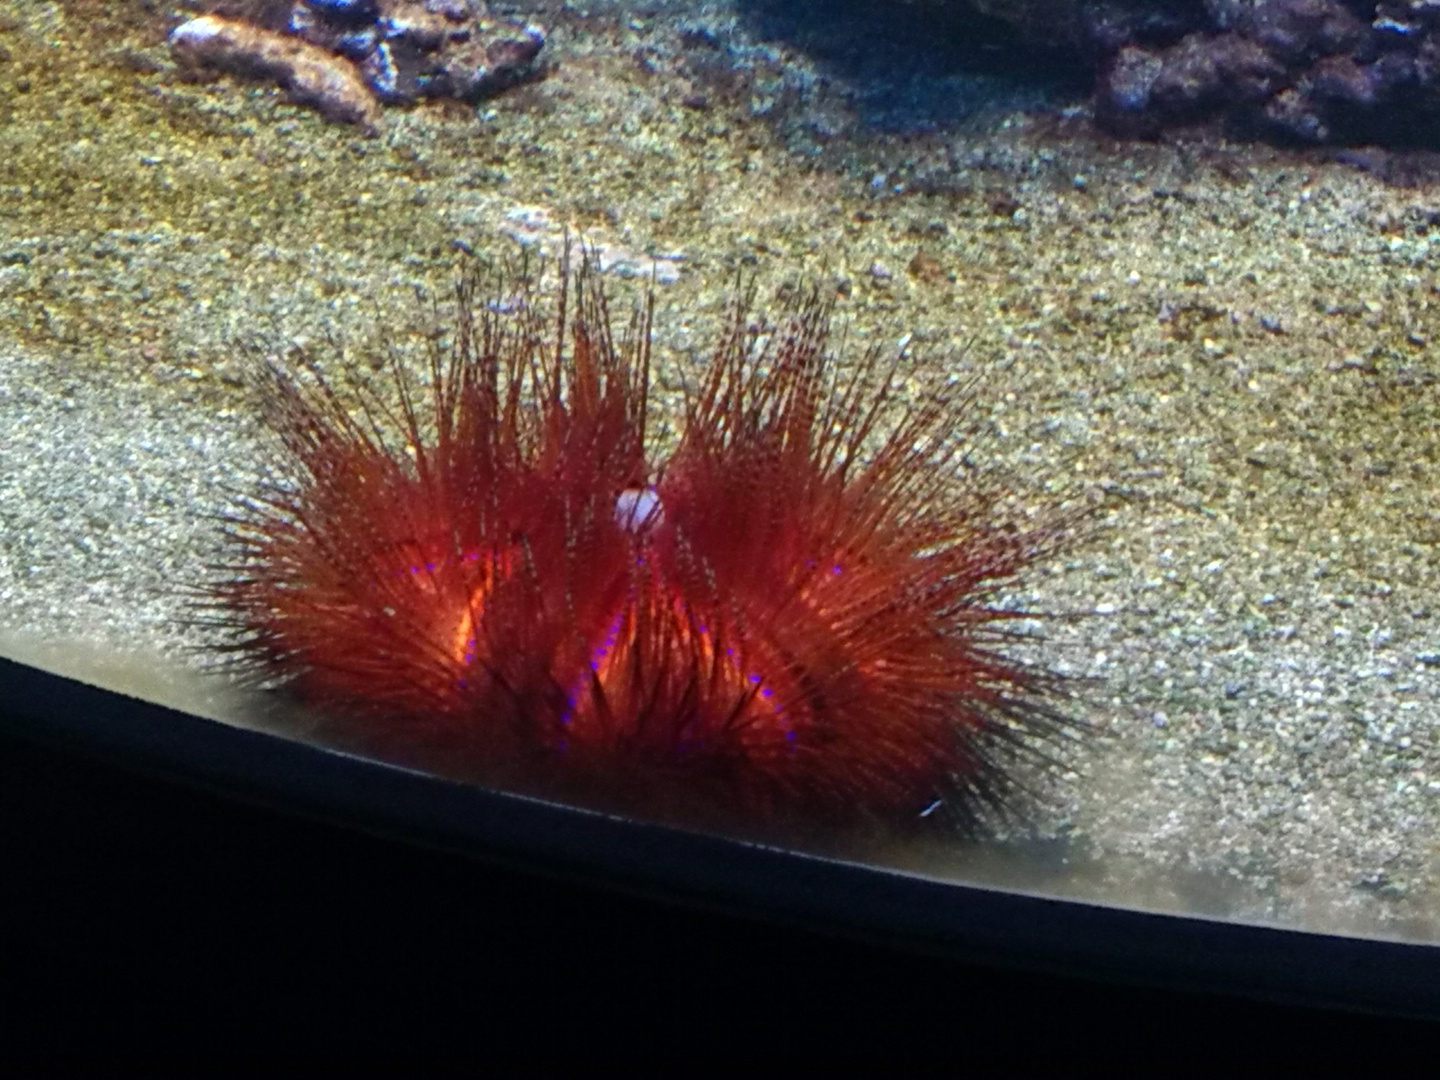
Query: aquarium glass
(1181, 262)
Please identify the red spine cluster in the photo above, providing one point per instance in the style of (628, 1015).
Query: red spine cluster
(792, 615)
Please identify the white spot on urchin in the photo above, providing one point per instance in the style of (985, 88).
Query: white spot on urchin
(638, 508)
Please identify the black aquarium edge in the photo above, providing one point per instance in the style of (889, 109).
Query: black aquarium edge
(160, 863)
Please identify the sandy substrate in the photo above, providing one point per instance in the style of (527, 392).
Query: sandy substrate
(1232, 345)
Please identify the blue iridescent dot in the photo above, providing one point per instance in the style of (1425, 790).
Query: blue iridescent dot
(790, 735)
(836, 568)
(754, 677)
(766, 692)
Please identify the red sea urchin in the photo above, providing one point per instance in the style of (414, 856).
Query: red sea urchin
(791, 618)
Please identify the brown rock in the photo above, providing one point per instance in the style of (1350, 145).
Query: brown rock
(310, 74)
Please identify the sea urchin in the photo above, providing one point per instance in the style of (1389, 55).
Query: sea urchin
(791, 617)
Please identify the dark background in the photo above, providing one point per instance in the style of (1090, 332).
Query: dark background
(147, 919)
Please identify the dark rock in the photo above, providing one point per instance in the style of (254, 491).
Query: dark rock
(1123, 98)
(352, 11)
(1250, 73)
(1339, 78)
(1190, 78)
(1354, 71)
(1292, 116)
(1298, 30)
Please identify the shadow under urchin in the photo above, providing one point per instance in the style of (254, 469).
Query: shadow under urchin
(789, 621)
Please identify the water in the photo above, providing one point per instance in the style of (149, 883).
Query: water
(1230, 342)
